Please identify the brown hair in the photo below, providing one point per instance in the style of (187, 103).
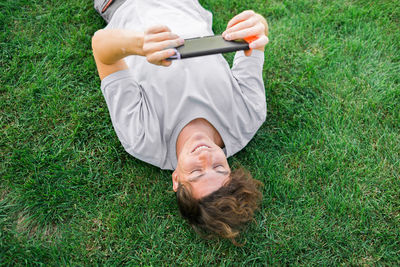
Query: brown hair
(224, 211)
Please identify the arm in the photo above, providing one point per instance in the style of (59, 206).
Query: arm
(111, 46)
(132, 115)
(248, 70)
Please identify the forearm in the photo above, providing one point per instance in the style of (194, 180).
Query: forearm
(111, 45)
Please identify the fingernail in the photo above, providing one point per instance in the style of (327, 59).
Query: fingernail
(181, 41)
(228, 36)
(223, 34)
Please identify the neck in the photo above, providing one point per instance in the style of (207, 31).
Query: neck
(194, 127)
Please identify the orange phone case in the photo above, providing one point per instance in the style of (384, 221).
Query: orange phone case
(250, 39)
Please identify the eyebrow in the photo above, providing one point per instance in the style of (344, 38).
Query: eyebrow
(194, 179)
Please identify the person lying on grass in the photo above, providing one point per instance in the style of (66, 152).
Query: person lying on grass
(192, 115)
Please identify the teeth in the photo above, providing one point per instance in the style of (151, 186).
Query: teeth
(200, 147)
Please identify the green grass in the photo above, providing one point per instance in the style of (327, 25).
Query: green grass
(328, 154)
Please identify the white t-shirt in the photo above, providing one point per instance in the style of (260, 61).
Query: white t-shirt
(149, 105)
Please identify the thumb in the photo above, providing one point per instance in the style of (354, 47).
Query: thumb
(248, 52)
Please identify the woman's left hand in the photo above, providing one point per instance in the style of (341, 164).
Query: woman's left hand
(248, 24)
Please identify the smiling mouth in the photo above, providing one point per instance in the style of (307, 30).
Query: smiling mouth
(199, 147)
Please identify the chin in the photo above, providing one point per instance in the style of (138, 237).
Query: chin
(199, 136)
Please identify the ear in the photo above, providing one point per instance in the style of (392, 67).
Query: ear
(175, 182)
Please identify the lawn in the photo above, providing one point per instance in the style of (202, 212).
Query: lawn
(328, 153)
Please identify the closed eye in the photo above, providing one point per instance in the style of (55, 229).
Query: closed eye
(219, 167)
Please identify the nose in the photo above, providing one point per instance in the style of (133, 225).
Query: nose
(205, 157)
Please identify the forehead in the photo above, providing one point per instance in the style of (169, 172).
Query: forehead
(207, 184)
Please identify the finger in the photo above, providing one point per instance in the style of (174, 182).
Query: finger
(157, 29)
(158, 46)
(255, 30)
(248, 52)
(260, 42)
(241, 25)
(157, 57)
(158, 37)
(242, 16)
(166, 63)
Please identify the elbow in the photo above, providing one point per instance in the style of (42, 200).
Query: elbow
(96, 39)
(261, 112)
(99, 44)
(264, 115)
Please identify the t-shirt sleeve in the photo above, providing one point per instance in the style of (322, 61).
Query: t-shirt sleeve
(132, 116)
(248, 73)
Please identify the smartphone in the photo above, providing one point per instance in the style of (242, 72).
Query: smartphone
(208, 45)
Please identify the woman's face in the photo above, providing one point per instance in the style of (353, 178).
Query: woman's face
(203, 164)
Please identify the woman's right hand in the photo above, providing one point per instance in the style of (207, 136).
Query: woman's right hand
(158, 42)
